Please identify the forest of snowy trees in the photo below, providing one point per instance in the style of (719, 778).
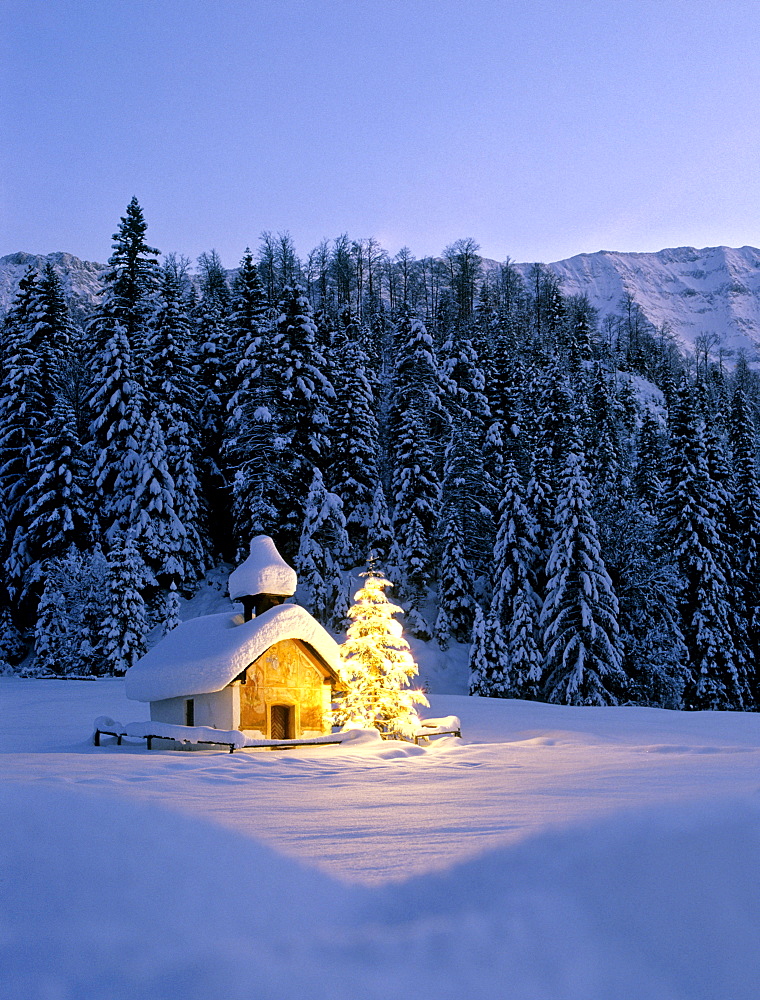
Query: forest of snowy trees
(480, 438)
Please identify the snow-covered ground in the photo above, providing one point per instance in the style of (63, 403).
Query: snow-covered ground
(552, 853)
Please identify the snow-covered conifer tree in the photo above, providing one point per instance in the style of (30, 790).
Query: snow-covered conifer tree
(746, 511)
(693, 531)
(51, 633)
(253, 445)
(130, 281)
(171, 609)
(175, 391)
(416, 419)
(125, 625)
(117, 405)
(582, 658)
(302, 398)
(513, 666)
(215, 359)
(23, 412)
(354, 470)
(155, 528)
(321, 554)
(456, 604)
(377, 665)
(381, 542)
(58, 514)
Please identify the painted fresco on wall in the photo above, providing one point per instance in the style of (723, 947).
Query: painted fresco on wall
(285, 675)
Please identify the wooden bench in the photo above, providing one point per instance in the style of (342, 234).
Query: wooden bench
(436, 730)
(150, 738)
(262, 745)
(107, 732)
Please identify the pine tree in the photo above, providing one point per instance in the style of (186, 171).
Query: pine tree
(12, 645)
(648, 588)
(321, 554)
(156, 531)
(604, 447)
(381, 543)
(130, 281)
(746, 512)
(692, 531)
(252, 446)
(118, 405)
(456, 586)
(23, 412)
(415, 422)
(58, 514)
(302, 397)
(513, 666)
(377, 665)
(171, 609)
(354, 471)
(214, 364)
(51, 633)
(125, 625)
(582, 659)
(648, 474)
(174, 388)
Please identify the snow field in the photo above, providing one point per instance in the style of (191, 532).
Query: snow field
(587, 854)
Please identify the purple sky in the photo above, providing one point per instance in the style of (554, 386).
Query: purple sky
(542, 128)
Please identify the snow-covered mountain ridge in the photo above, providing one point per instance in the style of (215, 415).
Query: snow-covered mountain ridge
(715, 290)
(80, 278)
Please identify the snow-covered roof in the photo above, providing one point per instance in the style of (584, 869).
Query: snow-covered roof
(204, 654)
(263, 572)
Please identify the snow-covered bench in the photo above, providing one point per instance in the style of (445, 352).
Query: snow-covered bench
(106, 726)
(449, 725)
(150, 731)
(232, 738)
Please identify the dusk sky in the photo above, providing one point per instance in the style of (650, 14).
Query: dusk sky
(542, 129)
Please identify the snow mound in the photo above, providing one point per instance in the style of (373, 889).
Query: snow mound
(106, 897)
(263, 572)
(203, 655)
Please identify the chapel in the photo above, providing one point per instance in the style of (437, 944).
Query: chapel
(270, 671)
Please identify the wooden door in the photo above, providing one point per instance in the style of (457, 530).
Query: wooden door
(280, 722)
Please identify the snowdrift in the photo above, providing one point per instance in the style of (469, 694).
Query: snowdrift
(106, 897)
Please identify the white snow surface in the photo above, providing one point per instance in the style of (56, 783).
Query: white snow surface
(553, 854)
(204, 654)
(263, 572)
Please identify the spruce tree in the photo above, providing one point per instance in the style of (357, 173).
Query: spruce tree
(513, 667)
(117, 405)
(215, 359)
(693, 532)
(58, 515)
(456, 605)
(746, 512)
(23, 412)
(582, 658)
(354, 471)
(381, 542)
(125, 624)
(416, 420)
(51, 634)
(377, 665)
(302, 397)
(175, 391)
(322, 553)
(130, 281)
(157, 532)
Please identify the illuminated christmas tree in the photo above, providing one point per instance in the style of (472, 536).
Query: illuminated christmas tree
(377, 665)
